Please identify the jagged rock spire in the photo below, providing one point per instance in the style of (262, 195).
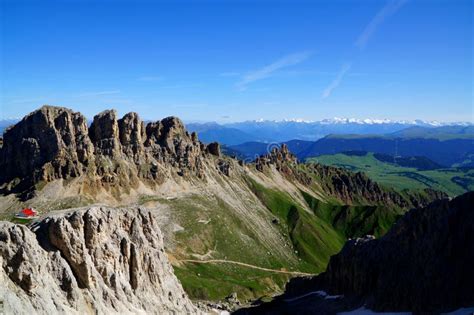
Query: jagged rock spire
(55, 142)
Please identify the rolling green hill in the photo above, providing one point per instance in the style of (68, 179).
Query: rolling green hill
(453, 181)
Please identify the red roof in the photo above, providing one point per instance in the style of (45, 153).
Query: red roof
(28, 212)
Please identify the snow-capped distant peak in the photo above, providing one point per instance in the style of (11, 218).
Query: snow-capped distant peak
(296, 120)
(369, 121)
(365, 121)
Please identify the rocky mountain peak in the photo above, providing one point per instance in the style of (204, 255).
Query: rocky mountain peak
(46, 144)
(55, 142)
(132, 133)
(173, 132)
(104, 133)
(280, 156)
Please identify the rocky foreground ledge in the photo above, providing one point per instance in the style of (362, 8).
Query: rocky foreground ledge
(97, 260)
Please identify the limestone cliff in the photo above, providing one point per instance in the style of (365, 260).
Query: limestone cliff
(98, 260)
(55, 143)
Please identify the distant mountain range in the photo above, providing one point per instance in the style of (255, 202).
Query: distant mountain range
(5, 123)
(210, 132)
(446, 146)
(285, 130)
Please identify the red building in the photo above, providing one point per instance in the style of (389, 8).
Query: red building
(27, 213)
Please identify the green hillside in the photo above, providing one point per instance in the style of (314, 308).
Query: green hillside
(453, 181)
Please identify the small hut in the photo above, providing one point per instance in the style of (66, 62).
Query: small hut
(27, 213)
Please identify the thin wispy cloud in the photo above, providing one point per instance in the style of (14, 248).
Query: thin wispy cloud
(389, 9)
(99, 93)
(150, 78)
(335, 83)
(269, 70)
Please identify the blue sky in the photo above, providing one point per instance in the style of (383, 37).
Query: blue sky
(232, 61)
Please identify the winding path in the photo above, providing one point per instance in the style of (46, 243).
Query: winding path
(220, 261)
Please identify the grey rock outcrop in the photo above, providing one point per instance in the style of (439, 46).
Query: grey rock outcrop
(132, 134)
(280, 157)
(347, 186)
(49, 143)
(56, 143)
(99, 260)
(104, 133)
(214, 148)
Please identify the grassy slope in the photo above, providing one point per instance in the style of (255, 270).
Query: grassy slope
(315, 240)
(355, 220)
(226, 236)
(310, 233)
(402, 177)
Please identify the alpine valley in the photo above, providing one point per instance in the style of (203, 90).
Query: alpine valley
(141, 217)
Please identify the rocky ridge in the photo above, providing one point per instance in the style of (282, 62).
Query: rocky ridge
(56, 143)
(98, 260)
(349, 187)
(356, 187)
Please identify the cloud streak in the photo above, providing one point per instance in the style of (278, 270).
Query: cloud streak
(389, 9)
(267, 71)
(337, 81)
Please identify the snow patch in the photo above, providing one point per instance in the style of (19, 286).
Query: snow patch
(321, 293)
(365, 121)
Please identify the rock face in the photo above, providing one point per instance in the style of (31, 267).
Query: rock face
(423, 264)
(49, 143)
(99, 260)
(56, 143)
(104, 133)
(214, 148)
